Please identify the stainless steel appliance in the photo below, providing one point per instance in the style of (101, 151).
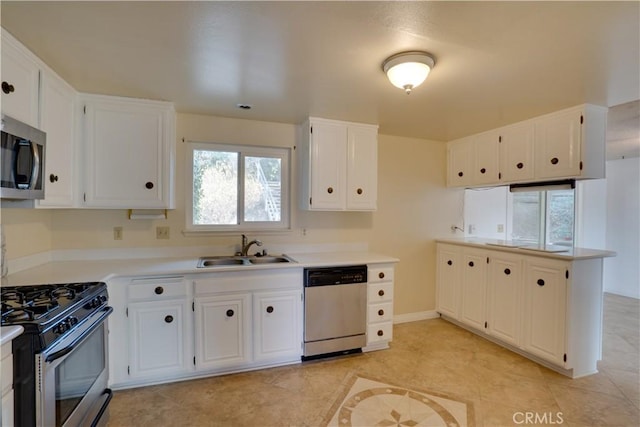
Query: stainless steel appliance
(22, 150)
(335, 303)
(61, 360)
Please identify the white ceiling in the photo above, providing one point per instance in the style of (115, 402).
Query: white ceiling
(496, 62)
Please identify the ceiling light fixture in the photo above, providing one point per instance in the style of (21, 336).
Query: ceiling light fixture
(407, 70)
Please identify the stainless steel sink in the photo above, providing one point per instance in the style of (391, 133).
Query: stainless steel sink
(231, 260)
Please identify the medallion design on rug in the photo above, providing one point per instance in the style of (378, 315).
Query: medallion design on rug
(373, 403)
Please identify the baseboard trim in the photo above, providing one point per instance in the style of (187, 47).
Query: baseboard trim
(414, 317)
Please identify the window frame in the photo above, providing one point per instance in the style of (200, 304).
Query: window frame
(282, 153)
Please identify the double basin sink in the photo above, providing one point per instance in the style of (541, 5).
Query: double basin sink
(231, 260)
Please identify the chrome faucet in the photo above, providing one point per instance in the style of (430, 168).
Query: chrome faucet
(246, 246)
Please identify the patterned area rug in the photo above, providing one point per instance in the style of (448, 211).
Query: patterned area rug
(372, 403)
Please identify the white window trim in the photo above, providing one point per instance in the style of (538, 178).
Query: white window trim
(244, 150)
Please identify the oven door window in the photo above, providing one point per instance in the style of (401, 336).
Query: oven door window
(78, 372)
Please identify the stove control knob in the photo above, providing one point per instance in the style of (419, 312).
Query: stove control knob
(72, 321)
(61, 328)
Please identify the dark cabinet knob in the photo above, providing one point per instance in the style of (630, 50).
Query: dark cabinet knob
(53, 178)
(507, 271)
(380, 333)
(520, 165)
(460, 174)
(359, 191)
(168, 319)
(471, 264)
(381, 312)
(483, 170)
(449, 262)
(159, 290)
(7, 88)
(554, 161)
(270, 309)
(381, 275)
(540, 282)
(230, 313)
(149, 185)
(381, 292)
(330, 190)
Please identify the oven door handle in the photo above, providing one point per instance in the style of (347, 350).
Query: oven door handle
(68, 349)
(103, 408)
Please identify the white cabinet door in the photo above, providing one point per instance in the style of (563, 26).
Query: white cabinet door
(545, 306)
(474, 288)
(504, 297)
(277, 326)
(362, 168)
(558, 144)
(328, 166)
(20, 79)
(517, 152)
(460, 162)
(129, 153)
(57, 120)
(449, 278)
(485, 166)
(222, 331)
(157, 339)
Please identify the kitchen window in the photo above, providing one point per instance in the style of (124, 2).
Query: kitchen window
(234, 187)
(544, 216)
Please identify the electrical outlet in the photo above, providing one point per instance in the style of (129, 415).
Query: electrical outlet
(162, 232)
(117, 233)
(472, 228)
(500, 228)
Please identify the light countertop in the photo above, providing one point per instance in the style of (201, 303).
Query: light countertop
(104, 270)
(570, 254)
(7, 333)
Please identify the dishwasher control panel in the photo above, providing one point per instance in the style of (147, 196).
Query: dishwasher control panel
(327, 276)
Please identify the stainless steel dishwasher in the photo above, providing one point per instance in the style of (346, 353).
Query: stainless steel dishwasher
(335, 303)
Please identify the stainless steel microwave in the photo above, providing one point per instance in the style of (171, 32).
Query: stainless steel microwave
(21, 160)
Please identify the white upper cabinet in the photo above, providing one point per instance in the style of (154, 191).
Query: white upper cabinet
(57, 120)
(129, 152)
(339, 165)
(20, 81)
(565, 144)
(516, 152)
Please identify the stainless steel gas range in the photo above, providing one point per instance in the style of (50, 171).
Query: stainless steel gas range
(60, 361)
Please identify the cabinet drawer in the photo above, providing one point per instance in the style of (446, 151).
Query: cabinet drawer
(379, 332)
(380, 292)
(380, 312)
(380, 274)
(157, 289)
(6, 370)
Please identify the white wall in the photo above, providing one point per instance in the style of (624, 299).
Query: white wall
(622, 273)
(484, 210)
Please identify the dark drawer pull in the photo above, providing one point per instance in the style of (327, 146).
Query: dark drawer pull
(520, 165)
(159, 290)
(381, 292)
(380, 333)
(359, 191)
(460, 174)
(554, 161)
(540, 282)
(53, 178)
(471, 264)
(381, 275)
(483, 170)
(449, 262)
(270, 309)
(381, 312)
(168, 319)
(330, 190)
(149, 185)
(7, 88)
(507, 271)
(230, 313)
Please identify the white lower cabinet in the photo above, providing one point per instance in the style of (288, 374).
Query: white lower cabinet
(449, 279)
(222, 336)
(277, 325)
(504, 293)
(6, 380)
(379, 306)
(474, 288)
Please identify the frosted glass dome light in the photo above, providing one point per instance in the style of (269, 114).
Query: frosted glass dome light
(408, 70)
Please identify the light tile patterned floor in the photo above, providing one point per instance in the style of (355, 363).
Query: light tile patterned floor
(427, 356)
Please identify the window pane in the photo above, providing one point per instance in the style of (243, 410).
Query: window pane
(215, 187)
(560, 217)
(526, 216)
(262, 189)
